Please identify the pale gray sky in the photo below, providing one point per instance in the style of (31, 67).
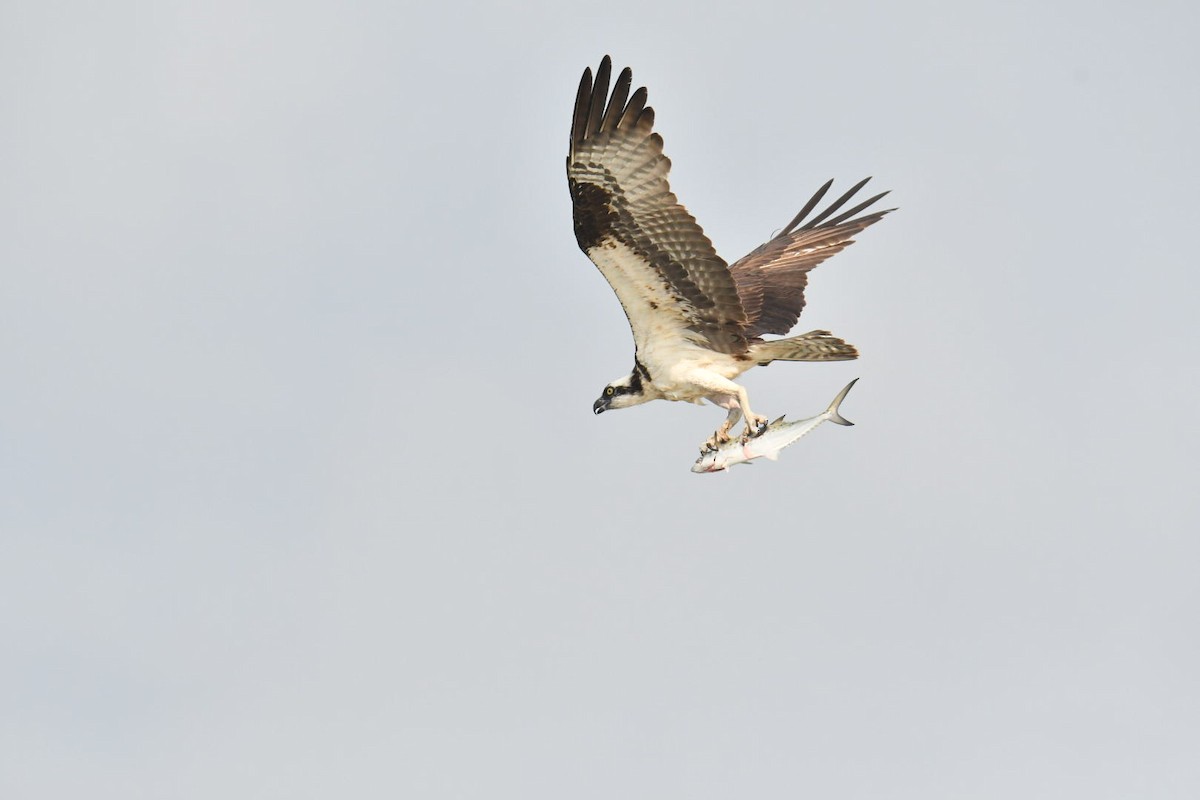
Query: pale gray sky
(301, 491)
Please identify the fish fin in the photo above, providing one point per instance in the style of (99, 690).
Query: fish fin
(832, 411)
(770, 456)
(776, 422)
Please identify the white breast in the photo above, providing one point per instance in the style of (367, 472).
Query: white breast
(673, 354)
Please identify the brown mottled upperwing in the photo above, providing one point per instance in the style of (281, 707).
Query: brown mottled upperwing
(772, 278)
(618, 178)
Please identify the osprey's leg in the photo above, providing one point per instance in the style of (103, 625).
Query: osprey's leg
(721, 436)
(730, 396)
(755, 424)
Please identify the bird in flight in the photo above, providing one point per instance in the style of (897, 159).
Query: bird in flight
(697, 321)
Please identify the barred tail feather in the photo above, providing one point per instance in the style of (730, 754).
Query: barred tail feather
(811, 346)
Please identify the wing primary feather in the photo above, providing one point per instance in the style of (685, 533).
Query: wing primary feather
(860, 207)
(582, 99)
(633, 108)
(617, 104)
(809, 206)
(599, 95)
(841, 201)
(645, 120)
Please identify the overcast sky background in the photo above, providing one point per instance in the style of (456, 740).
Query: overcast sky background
(302, 494)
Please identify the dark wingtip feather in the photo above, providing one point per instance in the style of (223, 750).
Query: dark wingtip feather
(860, 207)
(633, 108)
(599, 95)
(646, 119)
(616, 103)
(841, 201)
(583, 98)
(809, 206)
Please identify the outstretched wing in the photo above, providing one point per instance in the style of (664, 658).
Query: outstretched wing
(771, 279)
(669, 279)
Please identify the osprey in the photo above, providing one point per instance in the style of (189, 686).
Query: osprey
(697, 321)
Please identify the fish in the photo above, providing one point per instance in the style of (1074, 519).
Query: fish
(778, 435)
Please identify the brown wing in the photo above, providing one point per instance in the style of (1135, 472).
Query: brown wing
(633, 228)
(771, 279)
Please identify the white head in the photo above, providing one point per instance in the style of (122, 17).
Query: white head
(626, 391)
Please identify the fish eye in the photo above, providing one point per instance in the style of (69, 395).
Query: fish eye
(608, 390)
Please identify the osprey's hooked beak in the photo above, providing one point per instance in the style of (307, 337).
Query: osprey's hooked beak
(600, 406)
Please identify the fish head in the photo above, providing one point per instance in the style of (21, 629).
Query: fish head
(710, 461)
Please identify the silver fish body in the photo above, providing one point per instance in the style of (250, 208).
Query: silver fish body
(778, 435)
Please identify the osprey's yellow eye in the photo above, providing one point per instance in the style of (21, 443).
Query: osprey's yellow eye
(608, 390)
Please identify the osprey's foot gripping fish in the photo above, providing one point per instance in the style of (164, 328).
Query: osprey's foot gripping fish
(778, 435)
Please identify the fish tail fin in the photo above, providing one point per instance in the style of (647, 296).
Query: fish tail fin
(832, 411)
(811, 346)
